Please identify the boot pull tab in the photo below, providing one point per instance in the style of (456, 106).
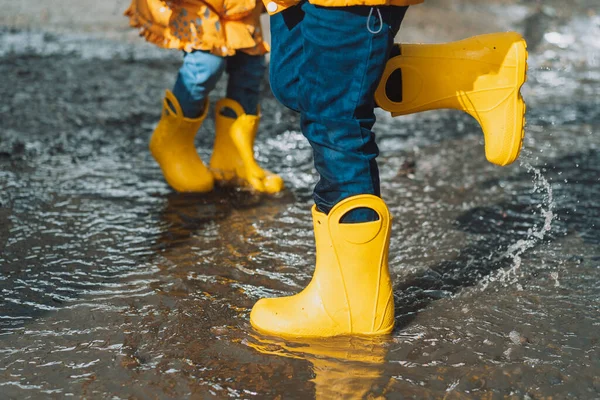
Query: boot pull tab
(171, 104)
(409, 76)
(229, 103)
(359, 233)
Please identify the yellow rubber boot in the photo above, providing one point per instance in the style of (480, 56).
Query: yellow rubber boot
(481, 75)
(233, 155)
(351, 290)
(172, 146)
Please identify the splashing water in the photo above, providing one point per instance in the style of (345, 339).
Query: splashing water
(535, 234)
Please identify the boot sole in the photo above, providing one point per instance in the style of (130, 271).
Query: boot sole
(521, 107)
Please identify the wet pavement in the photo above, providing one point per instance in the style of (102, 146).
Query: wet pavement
(113, 286)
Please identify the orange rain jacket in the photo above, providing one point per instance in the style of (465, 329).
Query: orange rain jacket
(219, 26)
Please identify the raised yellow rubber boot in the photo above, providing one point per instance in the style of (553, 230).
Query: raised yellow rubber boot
(481, 75)
(233, 155)
(350, 292)
(172, 146)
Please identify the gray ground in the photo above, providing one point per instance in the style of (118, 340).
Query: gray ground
(113, 286)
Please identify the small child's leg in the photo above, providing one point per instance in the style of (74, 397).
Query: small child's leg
(184, 110)
(246, 73)
(286, 53)
(197, 77)
(344, 54)
(236, 120)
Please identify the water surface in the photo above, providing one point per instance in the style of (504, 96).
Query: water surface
(115, 287)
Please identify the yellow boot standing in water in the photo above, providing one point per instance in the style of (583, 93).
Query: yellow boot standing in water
(351, 289)
(233, 156)
(327, 61)
(172, 146)
(215, 37)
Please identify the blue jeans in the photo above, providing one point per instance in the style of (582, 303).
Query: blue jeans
(201, 71)
(326, 63)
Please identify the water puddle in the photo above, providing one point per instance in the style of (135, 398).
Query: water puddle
(113, 286)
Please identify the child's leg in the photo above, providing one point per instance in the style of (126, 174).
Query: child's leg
(345, 51)
(286, 54)
(184, 110)
(197, 77)
(236, 122)
(246, 73)
(343, 55)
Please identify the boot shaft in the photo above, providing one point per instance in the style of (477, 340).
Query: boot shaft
(352, 265)
(224, 123)
(174, 129)
(351, 290)
(469, 75)
(225, 154)
(172, 146)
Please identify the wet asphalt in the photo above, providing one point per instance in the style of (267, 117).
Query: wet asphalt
(114, 286)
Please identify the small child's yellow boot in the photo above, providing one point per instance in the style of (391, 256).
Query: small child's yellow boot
(233, 155)
(172, 146)
(351, 290)
(481, 75)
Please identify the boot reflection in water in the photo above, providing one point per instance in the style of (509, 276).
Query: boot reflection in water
(213, 42)
(344, 367)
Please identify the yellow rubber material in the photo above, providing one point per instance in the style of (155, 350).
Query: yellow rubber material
(172, 146)
(481, 75)
(351, 290)
(233, 155)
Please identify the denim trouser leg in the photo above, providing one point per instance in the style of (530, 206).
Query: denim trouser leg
(286, 55)
(197, 77)
(329, 61)
(201, 71)
(246, 73)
